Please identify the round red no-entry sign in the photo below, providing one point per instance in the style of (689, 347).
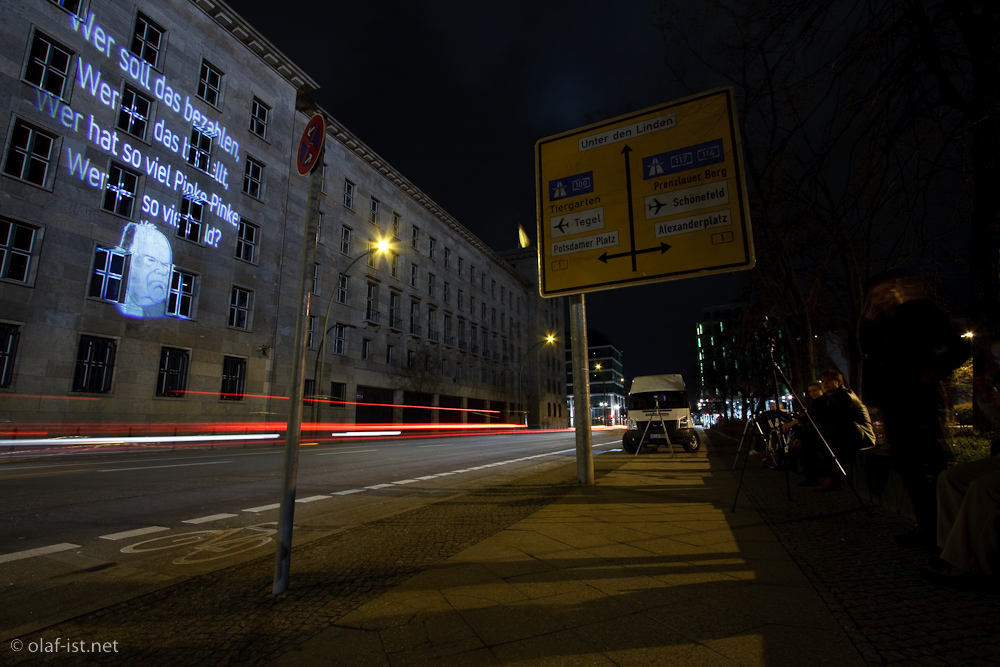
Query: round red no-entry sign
(311, 144)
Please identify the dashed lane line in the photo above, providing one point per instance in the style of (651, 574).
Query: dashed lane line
(40, 551)
(134, 533)
(210, 518)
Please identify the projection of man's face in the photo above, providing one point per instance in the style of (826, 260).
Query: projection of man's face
(149, 274)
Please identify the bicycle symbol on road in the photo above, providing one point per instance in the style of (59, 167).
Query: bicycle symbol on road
(207, 545)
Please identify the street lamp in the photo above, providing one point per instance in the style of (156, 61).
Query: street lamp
(548, 339)
(604, 394)
(381, 247)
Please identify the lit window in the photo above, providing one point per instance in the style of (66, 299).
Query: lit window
(30, 154)
(253, 177)
(210, 84)
(48, 65)
(119, 194)
(17, 243)
(172, 378)
(133, 113)
(147, 40)
(240, 308)
(260, 113)
(95, 362)
(180, 303)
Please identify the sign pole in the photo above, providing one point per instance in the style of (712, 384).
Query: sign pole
(308, 156)
(581, 391)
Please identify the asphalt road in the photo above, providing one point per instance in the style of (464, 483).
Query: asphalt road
(82, 532)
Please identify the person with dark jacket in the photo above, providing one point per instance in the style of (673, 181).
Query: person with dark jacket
(909, 347)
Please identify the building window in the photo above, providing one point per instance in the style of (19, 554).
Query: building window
(414, 274)
(430, 284)
(9, 335)
(447, 258)
(107, 281)
(253, 177)
(338, 394)
(349, 194)
(95, 362)
(371, 303)
(319, 226)
(461, 300)
(461, 265)
(394, 266)
(345, 240)
(415, 238)
(339, 338)
(311, 333)
(308, 387)
(30, 154)
(200, 152)
(119, 194)
(415, 318)
(234, 378)
(366, 348)
(390, 355)
(180, 303)
(147, 40)
(394, 320)
(411, 356)
(189, 221)
(260, 113)
(342, 289)
(395, 225)
(431, 247)
(172, 379)
(48, 65)
(315, 279)
(240, 308)
(372, 247)
(210, 84)
(246, 241)
(447, 292)
(69, 5)
(373, 211)
(133, 113)
(17, 243)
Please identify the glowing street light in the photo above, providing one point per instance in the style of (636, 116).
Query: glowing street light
(548, 339)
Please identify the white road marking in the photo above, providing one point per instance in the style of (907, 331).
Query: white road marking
(263, 508)
(406, 481)
(350, 451)
(426, 477)
(348, 492)
(311, 499)
(208, 519)
(379, 486)
(40, 551)
(176, 465)
(134, 533)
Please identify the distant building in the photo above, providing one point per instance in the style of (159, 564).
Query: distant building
(607, 381)
(152, 231)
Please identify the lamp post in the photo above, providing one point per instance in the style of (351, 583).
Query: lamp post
(604, 393)
(548, 339)
(379, 248)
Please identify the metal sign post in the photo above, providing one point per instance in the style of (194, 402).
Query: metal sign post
(307, 157)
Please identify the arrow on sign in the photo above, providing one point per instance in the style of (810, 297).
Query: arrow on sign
(662, 249)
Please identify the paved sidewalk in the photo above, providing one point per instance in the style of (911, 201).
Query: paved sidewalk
(647, 567)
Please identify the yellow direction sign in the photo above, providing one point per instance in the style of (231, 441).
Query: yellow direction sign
(650, 196)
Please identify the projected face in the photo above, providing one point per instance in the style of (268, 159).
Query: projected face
(149, 271)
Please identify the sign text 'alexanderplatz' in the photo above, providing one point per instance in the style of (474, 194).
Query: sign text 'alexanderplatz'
(654, 195)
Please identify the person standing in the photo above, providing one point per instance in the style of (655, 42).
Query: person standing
(909, 347)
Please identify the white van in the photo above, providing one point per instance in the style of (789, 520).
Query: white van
(666, 392)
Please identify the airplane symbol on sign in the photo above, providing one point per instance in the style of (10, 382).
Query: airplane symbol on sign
(561, 226)
(656, 202)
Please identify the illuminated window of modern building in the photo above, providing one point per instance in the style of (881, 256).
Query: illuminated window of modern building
(171, 381)
(180, 302)
(349, 194)
(147, 40)
(29, 155)
(107, 280)
(234, 378)
(133, 112)
(246, 241)
(9, 335)
(48, 65)
(210, 84)
(200, 152)
(17, 245)
(253, 177)
(95, 363)
(345, 240)
(190, 220)
(240, 307)
(119, 194)
(260, 114)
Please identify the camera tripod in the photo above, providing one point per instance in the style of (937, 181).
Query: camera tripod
(658, 417)
(776, 370)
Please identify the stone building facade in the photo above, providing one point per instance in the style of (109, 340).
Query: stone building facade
(151, 232)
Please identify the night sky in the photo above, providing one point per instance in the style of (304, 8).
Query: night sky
(454, 95)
